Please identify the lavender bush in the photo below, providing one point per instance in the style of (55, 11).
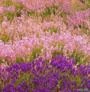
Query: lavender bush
(44, 45)
(59, 75)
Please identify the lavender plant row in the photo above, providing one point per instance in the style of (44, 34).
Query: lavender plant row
(44, 45)
(39, 28)
(60, 75)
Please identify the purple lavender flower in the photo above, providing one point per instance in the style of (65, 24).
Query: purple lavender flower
(84, 70)
(9, 88)
(23, 87)
(62, 63)
(41, 90)
(58, 75)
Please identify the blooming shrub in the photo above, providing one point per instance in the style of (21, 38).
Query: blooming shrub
(60, 74)
(44, 45)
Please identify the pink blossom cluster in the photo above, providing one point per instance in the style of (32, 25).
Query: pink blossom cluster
(25, 26)
(19, 49)
(7, 9)
(79, 17)
(49, 43)
(1, 9)
(42, 4)
(19, 37)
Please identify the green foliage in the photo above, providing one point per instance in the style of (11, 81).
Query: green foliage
(52, 30)
(72, 78)
(35, 53)
(87, 32)
(1, 18)
(77, 79)
(32, 13)
(63, 14)
(84, 29)
(19, 7)
(1, 60)
(5, 37)
(87, 2)
(55, 53)
(49, 11)
(79, 57)
(23, 77)
(10, 15)
(19, 59)
(59, 51)
(7, 2)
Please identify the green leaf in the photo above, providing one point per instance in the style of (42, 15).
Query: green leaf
(49, 11)
(24, 77)
(52, 30)
(35, 53)
(78, 80)
(59, 51)
(87, 2)
(32, 13)
(10, 15)
(7, 2)
(19, 59)
(5, 37)
(79, 57)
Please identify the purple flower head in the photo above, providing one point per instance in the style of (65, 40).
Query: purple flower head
(58, 60)
(23, 67)
(23, 87)
(41, 90)
(38, 66)
(61, 62)
(84, 70)
(9, 88)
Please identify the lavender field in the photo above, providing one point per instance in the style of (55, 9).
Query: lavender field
(44, 45)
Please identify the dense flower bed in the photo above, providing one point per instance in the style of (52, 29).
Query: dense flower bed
(61, 74)
(44, 45)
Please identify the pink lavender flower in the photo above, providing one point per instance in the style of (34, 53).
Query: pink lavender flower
(79, 17)
(2, 9)
(10, 9)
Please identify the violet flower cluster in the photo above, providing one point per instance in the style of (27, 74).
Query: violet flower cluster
(59, 75)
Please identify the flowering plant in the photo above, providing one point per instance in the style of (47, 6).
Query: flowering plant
(60, 74)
